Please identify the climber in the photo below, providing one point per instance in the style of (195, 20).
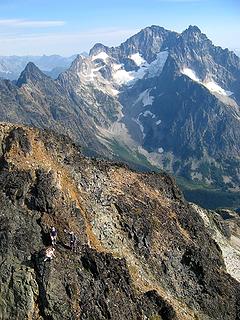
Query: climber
(49, 254)
(53, 235)
(73, 241)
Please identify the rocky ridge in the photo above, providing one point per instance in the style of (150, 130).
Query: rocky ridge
(143, 252)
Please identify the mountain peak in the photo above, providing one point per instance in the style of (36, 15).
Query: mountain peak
(194, 34)
(77, 62)
(30, 73)
(156, 28)
(31, 67)
(97, 48)
(193, 29)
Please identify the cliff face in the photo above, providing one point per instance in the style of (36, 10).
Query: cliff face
(142, 251)
(224, 226)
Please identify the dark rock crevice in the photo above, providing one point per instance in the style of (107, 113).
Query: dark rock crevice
(42, 270)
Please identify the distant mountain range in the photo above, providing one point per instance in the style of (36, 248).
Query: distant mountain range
(12, 66)
(159, 100)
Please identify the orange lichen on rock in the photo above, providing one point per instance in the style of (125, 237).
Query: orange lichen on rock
(40, 158)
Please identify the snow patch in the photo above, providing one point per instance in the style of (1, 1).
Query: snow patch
(116, 66)
(210, 85)
(89, 74)
(114, 92)
(214, 87)
(140, 126)
(102, 55)
(156, 67)
(160, 150)
(140, 73)
(145, 98)
(158, 122)
(136, 57)
(190, 74)
(149, 113)
(122, 76)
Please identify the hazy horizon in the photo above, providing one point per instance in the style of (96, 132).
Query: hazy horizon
(40, 27)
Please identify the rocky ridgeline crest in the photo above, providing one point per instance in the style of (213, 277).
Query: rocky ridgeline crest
(142, 253)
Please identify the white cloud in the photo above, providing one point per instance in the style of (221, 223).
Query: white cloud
(21, 23)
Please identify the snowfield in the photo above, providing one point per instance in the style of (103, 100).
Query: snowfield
(210, 85)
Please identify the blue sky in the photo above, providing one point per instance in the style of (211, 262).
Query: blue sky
(36, 27)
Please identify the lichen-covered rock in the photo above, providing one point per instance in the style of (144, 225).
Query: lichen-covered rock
(142, 251)
(224, 226)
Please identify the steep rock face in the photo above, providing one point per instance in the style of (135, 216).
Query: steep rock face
(196, 135)
(195, 51)
(96, 100)
(148, 43)
(224, 226)
(31, 74)
(142, 252)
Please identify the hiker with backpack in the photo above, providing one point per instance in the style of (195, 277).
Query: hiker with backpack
(49, 254)
(53, 235)
(72, 240)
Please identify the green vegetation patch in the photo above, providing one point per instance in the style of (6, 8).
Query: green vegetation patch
(207, 196)
(134, 159)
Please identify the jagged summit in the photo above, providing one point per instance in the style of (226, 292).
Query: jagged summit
(97, 48)
(193, 29)
(31, 67)
(77, 62)
(147, 42)
(195, 36)
(31, 73)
